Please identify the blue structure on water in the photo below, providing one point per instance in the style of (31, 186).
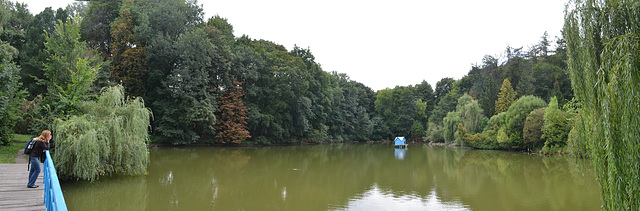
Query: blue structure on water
(400, 142)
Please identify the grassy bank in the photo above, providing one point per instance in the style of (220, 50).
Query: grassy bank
(8, 153)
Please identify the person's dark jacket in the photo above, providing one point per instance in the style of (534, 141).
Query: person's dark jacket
(38, 148)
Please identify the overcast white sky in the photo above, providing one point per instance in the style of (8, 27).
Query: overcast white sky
(383, 44)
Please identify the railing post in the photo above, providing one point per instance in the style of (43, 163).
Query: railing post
(53, 198)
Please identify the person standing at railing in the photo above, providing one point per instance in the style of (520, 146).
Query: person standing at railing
(41, 145)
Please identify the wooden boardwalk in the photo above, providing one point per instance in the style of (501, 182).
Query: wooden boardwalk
(14, 194)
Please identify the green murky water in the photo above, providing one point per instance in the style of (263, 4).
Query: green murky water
(343, 177)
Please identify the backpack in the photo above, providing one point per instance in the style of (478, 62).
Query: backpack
(29, 147)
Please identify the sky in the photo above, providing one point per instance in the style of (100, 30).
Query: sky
(384, 44)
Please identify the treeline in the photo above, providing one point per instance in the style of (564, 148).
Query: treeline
(184, 67)
(492, 106)
(200, 81)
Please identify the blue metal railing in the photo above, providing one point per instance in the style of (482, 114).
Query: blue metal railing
(53, 198)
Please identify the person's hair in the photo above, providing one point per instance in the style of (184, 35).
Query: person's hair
(44, 134)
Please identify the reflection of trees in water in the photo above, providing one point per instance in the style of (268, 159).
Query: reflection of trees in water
(178, 179)
(511, 178)
(313, 176)
(422, 171)
(329, 176)
(104, 195)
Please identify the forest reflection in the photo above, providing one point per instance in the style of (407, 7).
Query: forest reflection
(344, 177)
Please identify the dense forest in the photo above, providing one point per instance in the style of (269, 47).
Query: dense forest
(186, 68)
(113, 76)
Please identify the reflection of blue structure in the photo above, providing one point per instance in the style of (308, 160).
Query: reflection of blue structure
(400, 153)
(400, 142)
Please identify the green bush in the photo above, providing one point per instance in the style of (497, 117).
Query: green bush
(556, 126)
(532, 132)
(417, 131)
(488, 139)
(496, 121)
(10, 93)
(502, 138)
(478, 140)
(515, 118)
(29, 115)
(319, 136)
(504, 130)
(435, 133)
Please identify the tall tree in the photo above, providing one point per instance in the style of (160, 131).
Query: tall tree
(468, 113)
(33, 54)
(443, 87)
(398, 108)
(487, 89)
(225, 29)
(181, 78)
(471, 113)
(71, 68)
(542, 48)
(17, 18)
(96, 26)
(128, 59)
(506, 97)
(424, 92)
(603, 48)
(231, 126)
(446, 103)
(10, 93)
(185, 99)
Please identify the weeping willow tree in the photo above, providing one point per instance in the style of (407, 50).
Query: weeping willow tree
(603, 47)
(110, 138)
(469, 114)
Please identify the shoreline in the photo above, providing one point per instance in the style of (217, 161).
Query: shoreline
(259, 145)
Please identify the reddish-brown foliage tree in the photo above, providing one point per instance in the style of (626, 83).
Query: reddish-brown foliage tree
(231, 125)
(128, 55)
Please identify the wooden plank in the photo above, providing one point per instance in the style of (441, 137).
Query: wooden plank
(14, 194)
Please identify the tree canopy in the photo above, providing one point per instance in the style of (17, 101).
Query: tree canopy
(184, 64)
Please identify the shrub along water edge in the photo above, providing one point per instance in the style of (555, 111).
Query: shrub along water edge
(110, 138)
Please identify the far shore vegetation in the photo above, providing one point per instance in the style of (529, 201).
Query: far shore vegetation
(111, 77)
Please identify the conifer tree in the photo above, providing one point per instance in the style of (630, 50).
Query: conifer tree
(231, 125)
(506, 97)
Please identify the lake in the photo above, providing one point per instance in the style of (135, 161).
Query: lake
(343, 177)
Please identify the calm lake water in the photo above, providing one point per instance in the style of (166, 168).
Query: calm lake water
(343, 177)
